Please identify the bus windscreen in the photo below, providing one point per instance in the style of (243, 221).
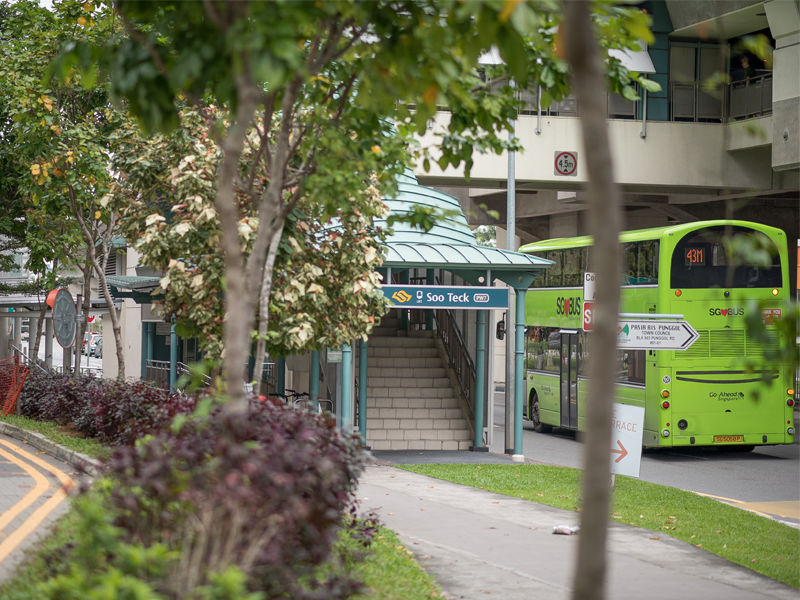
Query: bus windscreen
(725, 256)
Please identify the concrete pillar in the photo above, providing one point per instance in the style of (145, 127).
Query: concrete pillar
(784, 25)
(17, 324)
(4, 334)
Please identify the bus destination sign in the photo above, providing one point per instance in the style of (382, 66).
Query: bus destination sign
(655, 335)
(437, 296)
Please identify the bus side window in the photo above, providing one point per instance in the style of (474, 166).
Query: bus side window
(574, 266)
(631, 366)
(640, 265)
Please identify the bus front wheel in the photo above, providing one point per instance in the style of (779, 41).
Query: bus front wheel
(533, 411)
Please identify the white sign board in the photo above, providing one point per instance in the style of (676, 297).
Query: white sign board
(588, 287)
(655, 335)
(626, 439)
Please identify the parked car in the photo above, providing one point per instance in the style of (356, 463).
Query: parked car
(89, 339)
(96, 349)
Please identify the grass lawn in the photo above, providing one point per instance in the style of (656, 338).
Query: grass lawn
(758, 543)
(60, 435)
(390, 572)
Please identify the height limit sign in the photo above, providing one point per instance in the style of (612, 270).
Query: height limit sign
(566, 163)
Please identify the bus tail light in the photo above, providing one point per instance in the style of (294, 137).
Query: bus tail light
(665, 404)
(665, 394)
(678, 293)
(774, 291)
(790, 392)
(790, 402)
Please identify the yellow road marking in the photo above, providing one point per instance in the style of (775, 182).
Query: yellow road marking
(787, 508)
(24, 530)
(41, 486)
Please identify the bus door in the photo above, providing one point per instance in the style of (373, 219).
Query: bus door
(569, 378)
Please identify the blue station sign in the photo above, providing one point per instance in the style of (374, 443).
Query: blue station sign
(438, 296)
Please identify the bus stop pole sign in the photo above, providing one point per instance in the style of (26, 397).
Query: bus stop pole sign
(437, 296)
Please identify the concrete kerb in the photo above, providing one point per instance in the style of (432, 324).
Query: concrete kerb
(77, 459)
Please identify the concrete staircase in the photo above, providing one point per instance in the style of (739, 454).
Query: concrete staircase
(411, 402)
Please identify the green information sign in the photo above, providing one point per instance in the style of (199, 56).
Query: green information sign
(438, 296)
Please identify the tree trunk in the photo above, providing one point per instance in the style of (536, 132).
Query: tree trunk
(99, 269)
(589, 579)
(39, 326)
(86, 271)
(263, 307)
(239, 306)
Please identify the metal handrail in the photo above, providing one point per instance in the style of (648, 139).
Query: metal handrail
(457, 354)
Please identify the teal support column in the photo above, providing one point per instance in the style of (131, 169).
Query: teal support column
(280, 380)
(480, 385)
(173, 357)
(403, 312)
(518, 371)
(347, 381)
(313, 376)
(429, 280)
(151, 340)
(362, 390)
(144, 349)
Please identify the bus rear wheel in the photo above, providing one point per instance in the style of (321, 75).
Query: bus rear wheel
(533, 411)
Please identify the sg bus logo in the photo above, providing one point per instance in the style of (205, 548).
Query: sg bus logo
(726, 312)
(568, 306)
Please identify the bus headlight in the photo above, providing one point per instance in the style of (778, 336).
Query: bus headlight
(665, 433)
(790, 431)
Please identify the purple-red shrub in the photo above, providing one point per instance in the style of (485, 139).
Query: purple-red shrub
(113, 411)
(266, 491)
(57, 397)
(126, 411)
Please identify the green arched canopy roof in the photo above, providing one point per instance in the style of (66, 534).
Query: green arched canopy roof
(450, 244)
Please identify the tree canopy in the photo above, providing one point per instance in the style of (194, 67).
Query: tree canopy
(305, 91)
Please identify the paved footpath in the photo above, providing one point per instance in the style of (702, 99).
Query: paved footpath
(477, 544)
(33, 488)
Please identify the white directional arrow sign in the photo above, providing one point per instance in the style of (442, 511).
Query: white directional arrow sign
(655, 335)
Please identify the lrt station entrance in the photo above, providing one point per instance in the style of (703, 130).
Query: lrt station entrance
(440, 285)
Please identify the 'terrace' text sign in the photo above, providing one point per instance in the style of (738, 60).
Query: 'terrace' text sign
(438, 296)
(626, 439)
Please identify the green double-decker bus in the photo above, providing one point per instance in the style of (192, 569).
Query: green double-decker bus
(711, 394)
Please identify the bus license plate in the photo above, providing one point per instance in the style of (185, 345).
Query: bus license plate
(728, 438)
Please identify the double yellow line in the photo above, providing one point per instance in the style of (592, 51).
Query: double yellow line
(41, 486)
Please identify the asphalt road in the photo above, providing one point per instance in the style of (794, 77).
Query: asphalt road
(766, 475)
(90, 362)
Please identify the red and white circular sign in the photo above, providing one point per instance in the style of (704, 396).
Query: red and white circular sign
(566, 163)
